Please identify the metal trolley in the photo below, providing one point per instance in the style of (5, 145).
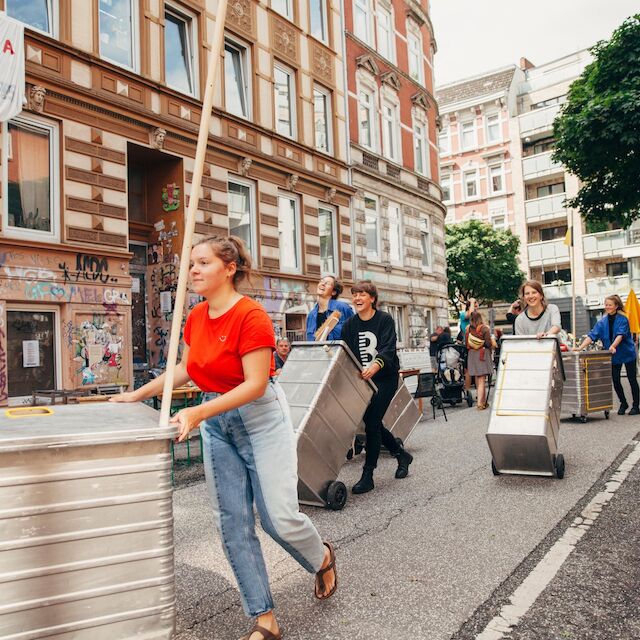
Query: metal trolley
(588, 386)
(327, 398)
(86, 523)
(525, 417)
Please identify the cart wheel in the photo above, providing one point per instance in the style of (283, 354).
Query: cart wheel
(469, 399)
(350, 454)
(336, 496)
(493, 469)
(583, 419)
(559, 464)
(606, 415)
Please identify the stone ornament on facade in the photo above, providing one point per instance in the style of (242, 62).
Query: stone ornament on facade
(368, 62)
(245, 166)
(240, 14)
(322, 64)
(37, 95)
(330, 194)
(420, 100)
(157, 138)
(391, 79)
(285, 39)
(292, 181)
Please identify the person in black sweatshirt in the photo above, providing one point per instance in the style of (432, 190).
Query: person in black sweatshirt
(371, 335)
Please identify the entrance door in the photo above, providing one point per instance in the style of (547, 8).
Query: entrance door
(31, 351)
(138, 270)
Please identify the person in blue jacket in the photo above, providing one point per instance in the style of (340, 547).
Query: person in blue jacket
(329, 288)
(613, 330)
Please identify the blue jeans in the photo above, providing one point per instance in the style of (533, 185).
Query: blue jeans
(250, 455)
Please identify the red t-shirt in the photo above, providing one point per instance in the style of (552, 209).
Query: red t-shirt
(217, 346)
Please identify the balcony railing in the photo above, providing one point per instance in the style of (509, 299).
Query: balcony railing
(550, 252)
(554, 291)
(538, 120)
(608, 285)
(604, 244)
(547, 208)
(539, 166)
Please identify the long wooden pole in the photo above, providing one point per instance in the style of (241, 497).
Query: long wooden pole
(190, 223)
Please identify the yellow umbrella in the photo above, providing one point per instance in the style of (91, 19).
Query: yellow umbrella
(632, 309)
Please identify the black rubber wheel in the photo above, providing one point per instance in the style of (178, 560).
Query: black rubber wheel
(469, 399)
(583, 419)
(350, 454)
(493, 469)
(559, 464)
(606, 415)
(336, 496)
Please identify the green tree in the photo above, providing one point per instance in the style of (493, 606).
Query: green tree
(482, 262)
(598, 131)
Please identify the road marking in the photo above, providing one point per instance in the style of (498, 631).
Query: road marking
(523, 598)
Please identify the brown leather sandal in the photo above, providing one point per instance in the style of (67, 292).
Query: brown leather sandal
(320, 588)
(266, 634)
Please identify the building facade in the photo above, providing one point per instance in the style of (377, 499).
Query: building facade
(97, 174)
(536, 188)
(398, 214)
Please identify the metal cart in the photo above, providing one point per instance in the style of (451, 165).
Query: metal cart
(327, 398)
(588, 387)
(525, 417)
(86, 523)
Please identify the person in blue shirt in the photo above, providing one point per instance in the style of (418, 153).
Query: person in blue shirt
(329, 288)
(613, 330)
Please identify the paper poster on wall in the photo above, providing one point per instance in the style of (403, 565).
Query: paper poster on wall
(95, 353)
(30, 353)
(135, 285)
(165, 302)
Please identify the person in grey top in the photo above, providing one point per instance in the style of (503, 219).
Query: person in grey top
(539, 318)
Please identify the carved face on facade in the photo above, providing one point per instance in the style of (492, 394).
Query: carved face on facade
(37, 95)
(157, 138)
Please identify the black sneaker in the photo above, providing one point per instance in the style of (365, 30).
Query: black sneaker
(365, 484)
(623, 409)
(634, 411)
(404, 460)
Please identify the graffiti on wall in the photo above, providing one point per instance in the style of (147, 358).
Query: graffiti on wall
(88, 268)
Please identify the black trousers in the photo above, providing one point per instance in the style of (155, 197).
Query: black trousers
(377, 434)
(633, 382)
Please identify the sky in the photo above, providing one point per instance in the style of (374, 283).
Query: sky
(475, 36)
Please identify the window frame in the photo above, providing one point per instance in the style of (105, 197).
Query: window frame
(253, 211)
(448, 178)
(374, 256)
(135, 39)
(487, 128)
(373, 111)
(426, 231)
(396, 311)
(328, 101)
(289, 15)
(398, 224)
(53, 16)
(465, 191)
(325, 20)
(366, 8)
(500, 168)
(390, 40)
(244, 51)
(291, 197)
(191, 22)
(53, 129)
(414, 33)
(392, 149)
(334, 237)
(445, 131)
(474, 143)
(424, 138)
(291, 74)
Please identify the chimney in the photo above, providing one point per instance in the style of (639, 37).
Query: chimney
(526, 64)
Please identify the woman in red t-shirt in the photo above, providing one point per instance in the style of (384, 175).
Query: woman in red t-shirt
(249, 446)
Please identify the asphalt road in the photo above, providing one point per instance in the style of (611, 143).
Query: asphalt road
(439, 554)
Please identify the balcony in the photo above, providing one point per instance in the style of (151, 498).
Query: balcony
(540, 166)
(607, 286)
(545, 209)
(555, 291)
(605, 244)
(538, 121)
(547, 253)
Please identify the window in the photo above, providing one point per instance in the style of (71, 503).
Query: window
(557, 275)
(372, 227)
(496, 179)
(548, 103)
(237, 93)
(390, 131)
(31, 180)
(498, 220)
(421, 148)
(283, 7)
(285, 106)
(385, 33)
(617, 269)
(362, 20)
(37, 14)
(322, 118)
(471, 184)
(550, 190)
(553, 233)
(395, 234)
(318, 20)
(180, 51)
(468, 134)
(289, 233)
(366, 118)
(414, 46)
(241, 211)
(328, 241)
(117, 32)
(444, 141)
(446, 186)
(425, 242)
(493, 128)
(397, 313)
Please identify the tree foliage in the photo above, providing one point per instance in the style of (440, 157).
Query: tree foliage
(482, 262)
(598, 131)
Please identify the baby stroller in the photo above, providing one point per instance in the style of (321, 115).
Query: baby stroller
(450, 363)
